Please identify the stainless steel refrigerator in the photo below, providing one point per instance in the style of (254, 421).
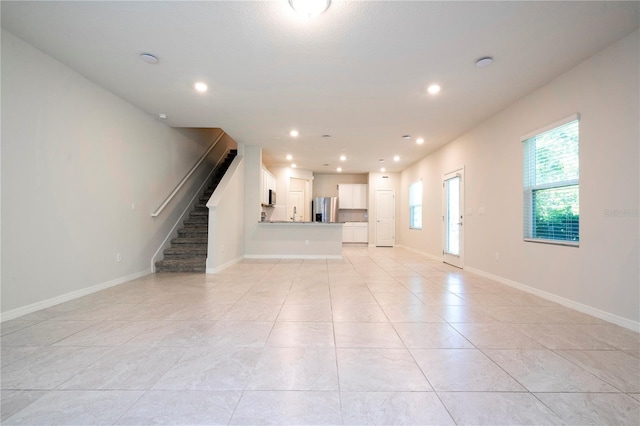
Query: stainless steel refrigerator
(325, 209)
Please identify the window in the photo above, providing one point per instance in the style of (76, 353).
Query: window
(415, 205)
(551, 184)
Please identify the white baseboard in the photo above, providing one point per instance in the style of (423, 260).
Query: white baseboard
(430, 256)
(292, 256)
(589, 310)
(224, 266)
(18, 312)
(232, 262)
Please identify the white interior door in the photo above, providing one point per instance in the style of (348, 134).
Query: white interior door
(452, 218)
(385, 218)
(296, 200)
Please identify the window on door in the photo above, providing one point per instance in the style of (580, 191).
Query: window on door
(415, 205)
(453, 218)
(551, 184)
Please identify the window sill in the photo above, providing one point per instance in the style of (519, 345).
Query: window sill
(553, 242)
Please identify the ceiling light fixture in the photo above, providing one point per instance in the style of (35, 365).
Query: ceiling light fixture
(382, 169)
(484, 61)
(162, 116)
(294, 133)
(326, 136)
(289, 157)
(149, 58)
(406, 137)
(433, 89)
(396, 158)
(309, 8)
(419, 141)
(200, 87)
(343, 158)
(339, 169)
(293, 166)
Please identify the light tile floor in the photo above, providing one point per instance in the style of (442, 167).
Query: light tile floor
(384, 336)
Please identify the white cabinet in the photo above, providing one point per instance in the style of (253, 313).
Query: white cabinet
(360, 196)
(264, 191)
(347, 233)
(271, 184)
(345, 196)
(355, 232)
(268, 182)
(361, 232)
(352, 196)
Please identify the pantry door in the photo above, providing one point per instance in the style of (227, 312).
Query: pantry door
(385, 218)
(296, 200)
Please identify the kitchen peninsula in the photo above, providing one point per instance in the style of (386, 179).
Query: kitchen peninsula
(297, 240)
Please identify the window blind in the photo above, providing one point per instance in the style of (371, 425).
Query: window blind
(551, 184)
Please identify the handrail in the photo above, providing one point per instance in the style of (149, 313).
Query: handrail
(184, 179)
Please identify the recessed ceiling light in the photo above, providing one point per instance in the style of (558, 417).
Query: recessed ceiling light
(293, 166)
(343, 158)
(406, 137)
(419, 141)
(149, 58)
(289, 157)
(433, 89)
(484, 61)
(396, 158)
(309, 8)
(339, 169)
(162, 116)
(382, 169)
(200, 87)
(294, 133)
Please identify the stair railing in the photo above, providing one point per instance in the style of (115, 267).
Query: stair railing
(186, 178)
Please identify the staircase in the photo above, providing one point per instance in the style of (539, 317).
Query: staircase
(188, 252)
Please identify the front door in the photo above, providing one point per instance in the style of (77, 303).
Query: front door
(452, 220)
(385, 218)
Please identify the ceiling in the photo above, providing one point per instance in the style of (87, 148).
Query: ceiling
(358, 72)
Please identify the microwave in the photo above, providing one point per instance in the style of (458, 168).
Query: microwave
(272, 197)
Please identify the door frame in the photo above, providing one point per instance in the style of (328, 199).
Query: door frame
(448, 258)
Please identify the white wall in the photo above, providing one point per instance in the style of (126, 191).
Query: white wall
(76, 160)
(602, 274)
(326, 184)
(296, 240)
(252, 186)
(226, 238)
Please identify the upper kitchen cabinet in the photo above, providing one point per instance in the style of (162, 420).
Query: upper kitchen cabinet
(352, 196)
(268, 184)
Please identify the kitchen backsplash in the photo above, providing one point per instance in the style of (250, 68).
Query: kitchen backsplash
(348, 215)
